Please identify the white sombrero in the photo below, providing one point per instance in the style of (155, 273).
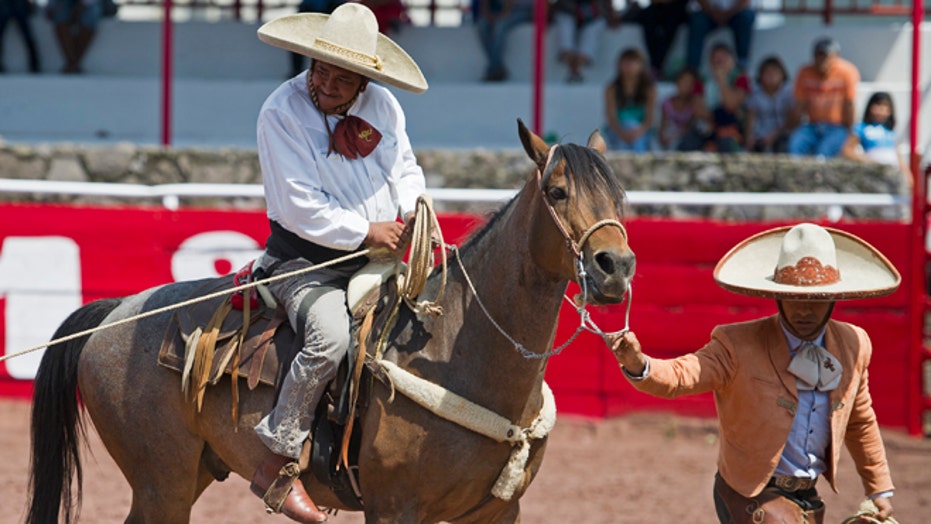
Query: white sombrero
(811, 263)
(348, 38)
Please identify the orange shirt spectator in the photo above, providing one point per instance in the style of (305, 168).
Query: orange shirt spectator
(824, 96)
(824, 93)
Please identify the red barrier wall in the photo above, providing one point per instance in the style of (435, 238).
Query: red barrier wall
(53, 258)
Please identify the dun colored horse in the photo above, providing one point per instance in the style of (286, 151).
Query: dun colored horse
(415, 467)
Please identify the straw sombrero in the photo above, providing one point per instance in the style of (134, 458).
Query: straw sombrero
(806, 262)
(348, 38)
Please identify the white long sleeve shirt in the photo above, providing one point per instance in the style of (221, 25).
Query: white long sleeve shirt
(330, 200)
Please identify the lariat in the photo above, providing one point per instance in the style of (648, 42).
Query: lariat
(352, 137)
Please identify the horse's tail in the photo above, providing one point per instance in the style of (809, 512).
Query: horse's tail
(57, 427)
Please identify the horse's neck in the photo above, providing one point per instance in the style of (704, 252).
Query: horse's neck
(520, 298)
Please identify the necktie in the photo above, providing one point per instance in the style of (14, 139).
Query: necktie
(815, 368)
(353, 137)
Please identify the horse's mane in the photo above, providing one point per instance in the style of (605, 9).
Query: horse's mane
(585, 168)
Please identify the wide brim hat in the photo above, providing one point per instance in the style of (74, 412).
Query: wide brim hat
(349, 39)
(806, 262)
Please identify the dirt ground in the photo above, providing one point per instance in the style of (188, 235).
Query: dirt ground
(633, 469)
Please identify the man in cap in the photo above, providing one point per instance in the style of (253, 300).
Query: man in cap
(824, 94)
(338, 171)
(791, 388)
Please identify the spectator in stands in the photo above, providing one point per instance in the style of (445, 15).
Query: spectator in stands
(494, 20)
(391, 14)
(678, 110)
(19, 12)
(769, 108)
(660, 21)
(580, 24)
(75, 25)
(873, 139)
(722, 111)
(707, 15)
(824, 96)
(629, 104)
(311, 6)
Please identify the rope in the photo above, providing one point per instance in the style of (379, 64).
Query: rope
(866, 513)
(420, 262)
(188, 302)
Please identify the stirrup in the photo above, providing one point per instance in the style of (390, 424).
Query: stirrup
(279, 489)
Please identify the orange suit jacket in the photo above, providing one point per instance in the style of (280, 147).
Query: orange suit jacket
(745, 365)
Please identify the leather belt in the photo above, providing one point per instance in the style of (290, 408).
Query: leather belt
(792, 483)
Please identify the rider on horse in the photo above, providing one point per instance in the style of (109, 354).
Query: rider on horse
(338, 169)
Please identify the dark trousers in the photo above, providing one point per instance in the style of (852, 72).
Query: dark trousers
(18, 12)
(773, 505)
(660, 22)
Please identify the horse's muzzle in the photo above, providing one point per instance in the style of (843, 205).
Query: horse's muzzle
(608, 275)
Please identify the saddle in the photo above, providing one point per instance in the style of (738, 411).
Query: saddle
(248, 336)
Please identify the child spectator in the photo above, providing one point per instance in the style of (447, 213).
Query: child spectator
(873, 139)
(678, 110)
(769, 109)
(719, 120)
(629, 104)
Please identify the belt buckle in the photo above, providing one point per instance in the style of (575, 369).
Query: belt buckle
(793, 483)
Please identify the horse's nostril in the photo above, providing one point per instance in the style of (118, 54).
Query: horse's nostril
(605, 261)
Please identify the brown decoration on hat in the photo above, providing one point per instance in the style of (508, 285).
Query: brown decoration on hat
(807, 272)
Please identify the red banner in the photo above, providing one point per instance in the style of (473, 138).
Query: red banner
(55, 258)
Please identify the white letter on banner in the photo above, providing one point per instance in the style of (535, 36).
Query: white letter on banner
(40, 277)
(213, 254)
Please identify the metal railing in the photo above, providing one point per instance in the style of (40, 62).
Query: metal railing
(171, 195)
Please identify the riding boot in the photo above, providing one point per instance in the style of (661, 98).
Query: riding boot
(277, 481)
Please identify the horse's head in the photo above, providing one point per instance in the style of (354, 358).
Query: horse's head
(577, 232)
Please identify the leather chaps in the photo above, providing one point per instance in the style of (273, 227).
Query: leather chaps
(771, 506)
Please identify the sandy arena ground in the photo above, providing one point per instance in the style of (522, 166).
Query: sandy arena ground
(634, 469)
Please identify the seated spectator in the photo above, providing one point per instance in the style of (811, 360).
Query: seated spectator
(580, 24)
(707, 15)
(75, 25)
(494, 21)
(391, 14)
(310, 6)
(873, 139)
(769, 109)
(660, 21)
(721, 116)
(825, 91)
(19, 11)
(629, 104)
(678, 110)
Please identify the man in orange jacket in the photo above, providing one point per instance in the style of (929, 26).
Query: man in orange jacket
(791, 388)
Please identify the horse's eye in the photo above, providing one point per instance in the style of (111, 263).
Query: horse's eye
(557, 193)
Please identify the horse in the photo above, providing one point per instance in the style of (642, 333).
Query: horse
(500, 307)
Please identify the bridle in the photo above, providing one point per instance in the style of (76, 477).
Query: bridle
(575, 248)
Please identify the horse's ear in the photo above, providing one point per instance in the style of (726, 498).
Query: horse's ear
(535, 146)
(597, 142)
